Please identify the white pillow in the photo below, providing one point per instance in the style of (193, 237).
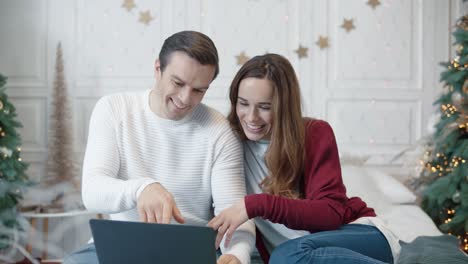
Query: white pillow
(375, 186)
(359, 183)
(392, 188)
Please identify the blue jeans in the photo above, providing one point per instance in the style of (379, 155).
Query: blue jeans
(353, 243)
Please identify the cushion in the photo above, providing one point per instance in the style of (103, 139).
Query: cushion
(359, 183)
(394, 190)
(432, 250)
(375, 186)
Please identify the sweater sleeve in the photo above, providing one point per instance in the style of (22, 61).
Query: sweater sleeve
(102, 190)
(323, 206)
(228, 187)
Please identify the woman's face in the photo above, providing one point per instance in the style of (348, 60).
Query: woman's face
(253, 108)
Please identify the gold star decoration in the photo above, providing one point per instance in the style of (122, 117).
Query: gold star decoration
(373, 3)
(242, 58)
(348, 25)
(322, 42)
(129, 5)
(145, 17)
(301, 52)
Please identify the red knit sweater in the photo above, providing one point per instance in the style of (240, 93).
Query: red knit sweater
(325, 205)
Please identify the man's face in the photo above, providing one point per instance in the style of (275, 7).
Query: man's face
(181, 87)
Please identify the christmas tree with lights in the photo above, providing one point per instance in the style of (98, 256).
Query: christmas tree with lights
(13, 178)
(446, 162)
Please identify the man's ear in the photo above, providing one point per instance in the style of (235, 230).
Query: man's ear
(157, 69)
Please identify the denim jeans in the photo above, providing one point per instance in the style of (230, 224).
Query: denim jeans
(353, 243)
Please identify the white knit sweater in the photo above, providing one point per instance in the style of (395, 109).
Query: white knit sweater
(197, 159)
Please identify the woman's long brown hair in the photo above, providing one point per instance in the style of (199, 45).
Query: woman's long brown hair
(285, 155)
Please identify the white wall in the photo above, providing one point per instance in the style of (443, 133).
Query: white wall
(375, 85)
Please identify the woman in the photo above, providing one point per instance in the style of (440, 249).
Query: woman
(293, 176)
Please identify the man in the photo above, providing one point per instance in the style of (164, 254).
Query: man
(161, 154)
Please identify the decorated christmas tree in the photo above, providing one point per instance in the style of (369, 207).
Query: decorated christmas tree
(13, 179)
(446, 162)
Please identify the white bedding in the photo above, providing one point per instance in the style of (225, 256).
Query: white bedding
(392, 201)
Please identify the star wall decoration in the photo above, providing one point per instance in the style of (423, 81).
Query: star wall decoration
(129, 5)
(348, 24)
(145, 17)
(301, 52)
(242, 58)
(322, 42)
(373, 3)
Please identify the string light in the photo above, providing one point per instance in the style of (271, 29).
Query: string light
(448, 109)
(455, 63)
(456, 161)
(463, 126)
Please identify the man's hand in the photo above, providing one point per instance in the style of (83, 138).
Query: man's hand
(156, 205)
(228, 221)
(228, 259)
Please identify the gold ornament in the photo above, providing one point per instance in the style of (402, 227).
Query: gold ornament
(129, 5)
(373, 3)
(145, 17)
(242, 58)
(322, 42)
(348, 25)
(463, 128)
(301, 52)
(456, 62)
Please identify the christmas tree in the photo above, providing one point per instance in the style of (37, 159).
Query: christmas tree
(13, 179)
(446, 162)
(60, 167)
(60, 180)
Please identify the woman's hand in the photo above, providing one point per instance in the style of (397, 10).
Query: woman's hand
(228, 221)
(228, 259)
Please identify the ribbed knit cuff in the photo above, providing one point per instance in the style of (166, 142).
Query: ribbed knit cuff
(242, 242)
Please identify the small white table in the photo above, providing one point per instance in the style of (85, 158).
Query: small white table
(33, 216)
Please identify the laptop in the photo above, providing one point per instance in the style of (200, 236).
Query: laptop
(135, 242)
